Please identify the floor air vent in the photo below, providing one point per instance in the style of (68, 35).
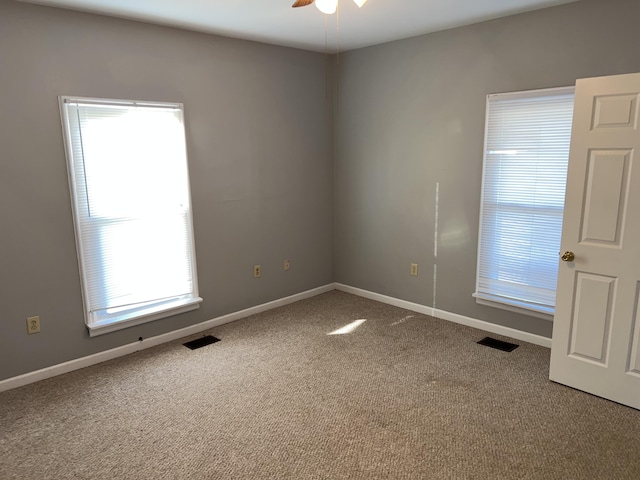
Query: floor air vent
(201, 342)
(498, 344)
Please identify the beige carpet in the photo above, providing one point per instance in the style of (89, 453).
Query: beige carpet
(404, 396)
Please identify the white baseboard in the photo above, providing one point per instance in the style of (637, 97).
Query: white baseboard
(452, 317)
(396, 302)
(493, 328)
(100, 357)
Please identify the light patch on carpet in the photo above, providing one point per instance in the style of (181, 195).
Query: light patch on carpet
(402, 320)
(348, 328)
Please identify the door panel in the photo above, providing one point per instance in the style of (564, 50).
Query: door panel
(615, 111)
(634, 356)
(591, 318)
(605, 198)
(596, 331)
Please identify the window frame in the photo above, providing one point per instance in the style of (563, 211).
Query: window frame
(496, 301)
(146, 311)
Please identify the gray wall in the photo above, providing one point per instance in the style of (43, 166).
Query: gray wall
(260, 154)
(411, 115)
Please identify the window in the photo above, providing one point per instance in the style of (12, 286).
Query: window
(526, 157)
(129, 184)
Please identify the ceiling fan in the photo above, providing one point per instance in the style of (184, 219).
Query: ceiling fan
(325, 6)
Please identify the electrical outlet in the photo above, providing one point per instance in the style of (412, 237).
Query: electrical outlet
(256, 271)
(414, 269)
(33, 324)
(287, 265)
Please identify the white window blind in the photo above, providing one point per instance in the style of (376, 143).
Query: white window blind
(526, 156)
(129, 181)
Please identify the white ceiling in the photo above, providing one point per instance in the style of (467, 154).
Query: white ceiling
(274, 21)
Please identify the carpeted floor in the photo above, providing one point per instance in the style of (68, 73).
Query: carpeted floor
(404, 396)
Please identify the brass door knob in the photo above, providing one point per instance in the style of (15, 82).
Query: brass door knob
(568, 256)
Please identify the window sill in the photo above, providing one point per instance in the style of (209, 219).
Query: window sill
(143, 316)
(515, 307)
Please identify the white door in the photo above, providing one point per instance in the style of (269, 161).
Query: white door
(596, 329)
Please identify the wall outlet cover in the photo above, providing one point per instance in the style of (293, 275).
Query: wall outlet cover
(33, 324)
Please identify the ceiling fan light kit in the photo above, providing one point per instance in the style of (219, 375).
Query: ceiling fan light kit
(327, 7)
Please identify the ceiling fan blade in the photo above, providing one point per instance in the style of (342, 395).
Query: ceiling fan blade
(302, 3)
